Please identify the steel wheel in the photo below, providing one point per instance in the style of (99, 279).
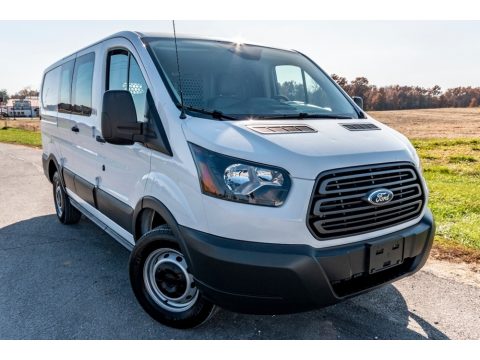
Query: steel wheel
(59, 201)
(66, 212)
(168, 281)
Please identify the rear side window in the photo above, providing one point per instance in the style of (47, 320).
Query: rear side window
(50, 89)
(82, 85)
(125, 74)
(64, 99)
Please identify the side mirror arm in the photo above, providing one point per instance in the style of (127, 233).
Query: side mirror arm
(141, 136)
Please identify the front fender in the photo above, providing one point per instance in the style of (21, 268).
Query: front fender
(182, 201)
(149, 202)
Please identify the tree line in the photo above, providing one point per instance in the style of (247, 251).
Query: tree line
(26, 92)
(392, 97)
(396, 97)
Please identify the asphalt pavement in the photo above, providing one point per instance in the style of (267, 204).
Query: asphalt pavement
(71, 282)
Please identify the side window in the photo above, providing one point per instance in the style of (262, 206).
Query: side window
(117, 70)
(82, 85)
(125, 74)
(50, 89)
(138, 88)
(64, 98)
(290, 82)
(295, 84)
(315, 93)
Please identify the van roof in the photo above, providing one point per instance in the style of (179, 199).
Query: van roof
(198, 37)
(135, 36)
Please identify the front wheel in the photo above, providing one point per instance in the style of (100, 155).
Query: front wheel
(162, 283)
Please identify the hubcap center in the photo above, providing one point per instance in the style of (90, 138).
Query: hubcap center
(170, 279)
(58, 198)
(168, 282)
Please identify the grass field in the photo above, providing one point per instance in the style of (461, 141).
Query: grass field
(433, 123)
(448, 142)
(20, 136)
(32, 124)
(452, 170)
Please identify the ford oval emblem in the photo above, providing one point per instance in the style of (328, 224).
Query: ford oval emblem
(379, 197)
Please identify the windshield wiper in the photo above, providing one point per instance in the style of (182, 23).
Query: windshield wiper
(213, 113)
(305, 116)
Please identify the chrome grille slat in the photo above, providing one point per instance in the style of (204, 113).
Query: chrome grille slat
(369, 187)
(353, 209)
(339, 207)
(372, 173)
(356, 196)
(388, 222)
(377, 212)
(367, 179)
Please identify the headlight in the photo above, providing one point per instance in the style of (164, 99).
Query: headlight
(238, 180)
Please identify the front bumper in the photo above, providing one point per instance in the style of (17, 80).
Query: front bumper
(263, 278)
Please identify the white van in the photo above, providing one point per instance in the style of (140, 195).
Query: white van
(239, 175)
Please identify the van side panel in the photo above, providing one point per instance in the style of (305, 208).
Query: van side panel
(78, 153)
(52, 134)
(121, 170)
(113, 171)
(114, 209)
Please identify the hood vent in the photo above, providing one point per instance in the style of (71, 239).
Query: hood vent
(282, 129)
(360, 126)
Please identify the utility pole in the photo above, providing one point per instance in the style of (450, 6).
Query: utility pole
(6, 110)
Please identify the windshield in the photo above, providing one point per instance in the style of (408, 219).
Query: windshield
(244, 81)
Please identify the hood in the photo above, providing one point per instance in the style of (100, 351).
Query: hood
(303, 155)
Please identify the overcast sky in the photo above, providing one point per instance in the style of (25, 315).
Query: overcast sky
(421, 53)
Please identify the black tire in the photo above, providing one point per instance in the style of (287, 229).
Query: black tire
(160, 240)
(66, 212)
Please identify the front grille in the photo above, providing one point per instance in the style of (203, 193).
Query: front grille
(339, 206)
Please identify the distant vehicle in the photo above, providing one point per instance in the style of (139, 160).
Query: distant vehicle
(239, 175)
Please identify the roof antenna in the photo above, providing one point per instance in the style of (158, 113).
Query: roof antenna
(182, 114)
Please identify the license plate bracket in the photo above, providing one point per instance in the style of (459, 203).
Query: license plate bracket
(385, 255)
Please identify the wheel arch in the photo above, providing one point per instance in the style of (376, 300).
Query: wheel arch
(151, 203)
(51, 165)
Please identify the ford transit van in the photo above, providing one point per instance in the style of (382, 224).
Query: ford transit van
(238, 175)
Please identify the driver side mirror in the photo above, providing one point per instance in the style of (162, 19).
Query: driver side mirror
(359, 101)
(119, 118)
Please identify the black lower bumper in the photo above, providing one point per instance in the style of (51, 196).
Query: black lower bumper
(265, 278)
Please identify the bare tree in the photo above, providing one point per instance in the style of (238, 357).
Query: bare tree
(26, 92)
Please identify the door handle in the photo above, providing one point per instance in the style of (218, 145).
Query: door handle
(100, 139)
(75, 128)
